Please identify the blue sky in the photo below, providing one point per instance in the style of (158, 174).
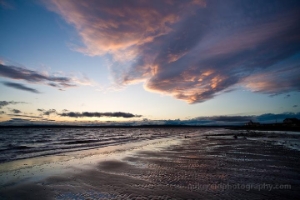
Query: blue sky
(101, 61)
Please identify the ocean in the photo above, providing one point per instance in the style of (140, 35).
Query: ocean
(20, 143)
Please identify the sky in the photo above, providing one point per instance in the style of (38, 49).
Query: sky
(141, 61)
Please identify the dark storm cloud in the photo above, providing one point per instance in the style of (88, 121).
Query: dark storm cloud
(193, 50)
(20, 87)
(98, 114)
(6, 103)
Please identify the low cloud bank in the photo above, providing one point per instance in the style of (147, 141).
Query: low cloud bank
(199, 121)
(98, 114)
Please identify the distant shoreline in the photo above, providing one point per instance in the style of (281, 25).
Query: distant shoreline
(115, 126)
(232, 127)
(266, 128)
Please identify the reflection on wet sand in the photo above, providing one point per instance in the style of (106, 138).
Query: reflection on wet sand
(196, 167)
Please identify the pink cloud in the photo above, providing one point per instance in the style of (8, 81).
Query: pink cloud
(191, 50)
(275, 81)
(119, 27)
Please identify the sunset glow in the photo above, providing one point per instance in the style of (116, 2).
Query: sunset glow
(99, 61)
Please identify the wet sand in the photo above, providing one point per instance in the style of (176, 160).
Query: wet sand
(199, 166)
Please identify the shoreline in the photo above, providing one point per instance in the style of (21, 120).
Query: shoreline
(63, 161)
(263, 127)
(32, 143)
(266, 128)
(197, 166)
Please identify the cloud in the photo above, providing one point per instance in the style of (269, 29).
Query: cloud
(27, 116)
(270, 117)
(16, 121)
(20, 87)
(47, 112)
(16, 111)
(216, 120)
(49, 120)
(25, 122)
(226, 118)
(119, 27)
(275, 80)
(192, 50)
(31, 76)
(233, 120)
(6, 103)
(98, 114)
(2, 112)
(67, 113)
(295, 106)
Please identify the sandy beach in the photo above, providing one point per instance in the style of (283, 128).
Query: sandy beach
(195, 164)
